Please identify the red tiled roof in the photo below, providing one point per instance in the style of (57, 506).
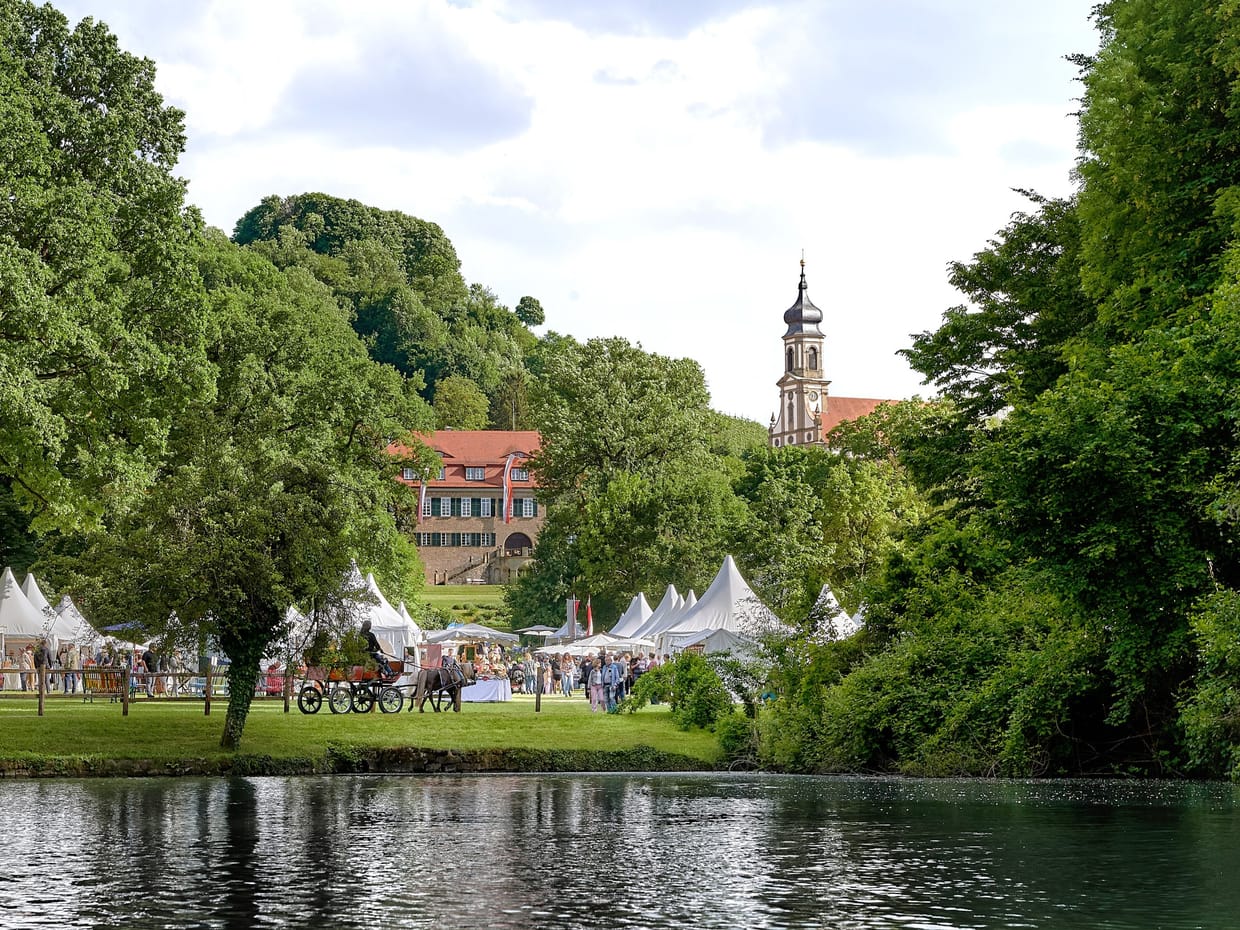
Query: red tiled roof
(841, 409)
(485, 448)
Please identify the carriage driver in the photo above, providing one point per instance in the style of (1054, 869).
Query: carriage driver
(376, 653)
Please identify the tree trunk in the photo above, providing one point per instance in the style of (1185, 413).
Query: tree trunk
(244, 645)
(242, 680)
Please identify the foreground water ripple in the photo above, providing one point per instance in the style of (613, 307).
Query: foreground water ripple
(621, 851)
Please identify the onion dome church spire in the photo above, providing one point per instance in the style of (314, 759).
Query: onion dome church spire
(803, 316)
(802, 389)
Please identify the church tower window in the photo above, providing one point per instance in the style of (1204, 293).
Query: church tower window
(813, 359)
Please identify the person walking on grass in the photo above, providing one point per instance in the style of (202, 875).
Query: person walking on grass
(595, 682)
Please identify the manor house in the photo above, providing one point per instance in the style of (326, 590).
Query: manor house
(478, 519)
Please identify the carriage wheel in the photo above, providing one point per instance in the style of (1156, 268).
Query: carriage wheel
(309, 700)
(363, 700)
(391, 701)
(339, 701)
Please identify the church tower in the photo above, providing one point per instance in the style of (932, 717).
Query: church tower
(802, 389)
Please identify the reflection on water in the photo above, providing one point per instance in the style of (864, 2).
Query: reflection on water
(618, 851)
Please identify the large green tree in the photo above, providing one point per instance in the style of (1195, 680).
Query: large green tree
(1087, 472)
(635, 498)
(101, 326)
(270, 485)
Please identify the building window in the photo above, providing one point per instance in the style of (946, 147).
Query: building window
(445, 507)
(789, 368)
(520, 474)
(424, 539)
(484, 507)
(426, 506)
(792, 440)
(407, 474)
(776, 443)
(475, 474)
(443, 473)
(813, 358)
(809, 437)
(528, 508)
(467, 509)
(488, 539)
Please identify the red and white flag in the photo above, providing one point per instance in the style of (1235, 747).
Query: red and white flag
(421, 499)
(589, 618)
(506, 503)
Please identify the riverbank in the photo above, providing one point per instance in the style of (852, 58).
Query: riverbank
(175, 738)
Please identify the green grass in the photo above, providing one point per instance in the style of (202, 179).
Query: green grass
(470, 603)
(168, 731)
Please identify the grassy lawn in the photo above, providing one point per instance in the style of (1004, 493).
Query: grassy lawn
(167, 730)
(476, 603)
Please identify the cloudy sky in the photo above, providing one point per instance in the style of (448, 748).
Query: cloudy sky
(647, 168)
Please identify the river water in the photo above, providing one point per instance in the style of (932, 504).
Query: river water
(617, 851)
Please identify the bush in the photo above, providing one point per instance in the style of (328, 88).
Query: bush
(695, 692)
(738, 738)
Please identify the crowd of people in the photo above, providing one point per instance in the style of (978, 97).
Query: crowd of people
(605, 678)
(20, 667)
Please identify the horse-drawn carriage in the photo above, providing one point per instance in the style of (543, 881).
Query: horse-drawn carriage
(359, 689)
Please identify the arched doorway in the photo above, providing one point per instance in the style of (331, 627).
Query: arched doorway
(518, 544)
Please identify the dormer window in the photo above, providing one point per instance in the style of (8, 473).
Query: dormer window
(475, 473)
(520, 474)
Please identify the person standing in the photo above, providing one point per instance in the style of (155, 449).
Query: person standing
(150, 665)
(611, 683)
(42, 659)
(595, 682)
(72, 662)
(27, 667)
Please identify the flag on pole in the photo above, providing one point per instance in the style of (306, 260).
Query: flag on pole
(421, 500)
(589, 618)
(506, 503)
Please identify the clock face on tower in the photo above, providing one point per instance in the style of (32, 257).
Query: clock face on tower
(813, 395)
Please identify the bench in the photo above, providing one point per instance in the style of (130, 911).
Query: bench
(102, 682)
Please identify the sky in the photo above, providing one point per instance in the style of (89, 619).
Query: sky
(652, 169)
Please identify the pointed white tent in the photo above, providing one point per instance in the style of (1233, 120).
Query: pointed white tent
(670, 603)
(388, 625)
(831, 621)
(63, 629)
(411, 626)
(655, 627)
(19, 619)
(630, 621)
(69, 626)
(728, 604)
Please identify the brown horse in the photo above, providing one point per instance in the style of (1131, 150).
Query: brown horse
(440, 683)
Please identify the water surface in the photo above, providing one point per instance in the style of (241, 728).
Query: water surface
(618, 851)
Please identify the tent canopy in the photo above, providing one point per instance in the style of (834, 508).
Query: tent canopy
(670, 603)
(637, 613)
(19, 619)
(728, 604)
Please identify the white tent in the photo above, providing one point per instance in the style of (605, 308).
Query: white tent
(728, 604)
(655, 626)
(470, 633)
(19, 619)
(70, 626)
(63, 628)
(630, 621)
(395, 631)
(713, 641)
(670, 603)
(831, 621)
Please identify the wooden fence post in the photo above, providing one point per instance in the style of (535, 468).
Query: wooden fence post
(42, 687)
(126, 676)
(288, 689)
(538, 691)
(206, 695)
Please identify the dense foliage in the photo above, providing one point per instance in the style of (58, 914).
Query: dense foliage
(1070, 605)
(193, 439)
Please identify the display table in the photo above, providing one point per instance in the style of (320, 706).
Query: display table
(496, 689)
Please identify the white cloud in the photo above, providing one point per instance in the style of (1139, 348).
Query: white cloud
(643, 174)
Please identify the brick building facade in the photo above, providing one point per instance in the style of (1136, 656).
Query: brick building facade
(479, 518)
